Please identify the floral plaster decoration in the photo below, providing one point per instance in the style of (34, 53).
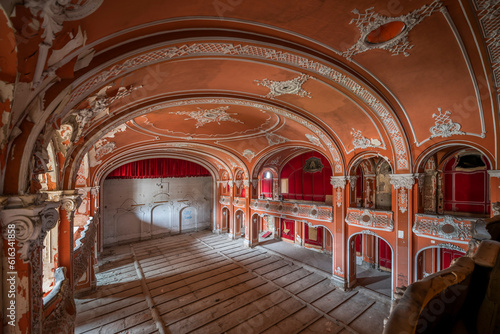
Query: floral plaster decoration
(206, 116)
(288, 87)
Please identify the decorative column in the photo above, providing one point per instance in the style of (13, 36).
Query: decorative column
(232, 219)
(402, 199)
(352, 191)
(340, 236)
(494, 192)
(369, 190)
(25, 222)
(70, 201)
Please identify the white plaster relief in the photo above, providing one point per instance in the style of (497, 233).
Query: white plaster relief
(207, 116)
(274, 139)
(268, 54)
(370, 21)
(290, 87)
(444, 126)
(249, 154)
(362, 142)
(314, 140)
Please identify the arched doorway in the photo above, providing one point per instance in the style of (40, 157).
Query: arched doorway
(370, 260)
(430, 260)
(225, 220)
(239, 224)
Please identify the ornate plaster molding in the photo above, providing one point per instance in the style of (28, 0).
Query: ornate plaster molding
(494, 173)
(488, 13)
(360, 141)
(370, 21)
(61, 319)
(207, 116)
(249, 154)
(31, 222)
(258, 52)
(314, 140)
(274, 139)
(338, 181)
(404, 181)
(352, 181)
(83, 249)
(444, 126)
(451, 247)
(443, 227)
(373, 219)
(288, 87)
(98, 104)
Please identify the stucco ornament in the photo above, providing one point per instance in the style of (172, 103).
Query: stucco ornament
(338, 181)
(444, 126)
(288, 87)
(370, 21)
(207, 116)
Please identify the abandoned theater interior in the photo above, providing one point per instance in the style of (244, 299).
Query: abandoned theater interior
(250, 166)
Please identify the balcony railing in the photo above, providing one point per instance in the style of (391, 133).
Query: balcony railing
(370, 218)
(293, 210)
(443, 227)
(83, 249)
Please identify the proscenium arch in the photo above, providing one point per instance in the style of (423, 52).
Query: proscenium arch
(378, 236)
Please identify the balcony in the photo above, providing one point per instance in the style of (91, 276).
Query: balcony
(443, 227)
(293, 210)
(371, 219)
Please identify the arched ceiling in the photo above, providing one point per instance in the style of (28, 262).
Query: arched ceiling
(242, 84)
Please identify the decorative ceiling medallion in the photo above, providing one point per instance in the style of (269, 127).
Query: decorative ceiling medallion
(274, 139)
(444, 126)
(388, 33)
(206, 116)
(313, 165)
(290, 87)
(249, 154)
(363, 142)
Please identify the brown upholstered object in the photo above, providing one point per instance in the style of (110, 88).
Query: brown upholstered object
(493, 227)
(425, 302)
(488, 319)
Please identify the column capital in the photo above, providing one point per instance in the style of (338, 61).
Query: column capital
(94, 190)
(32, 218)
(338, 181)
(402, 181)
(494, 173)
(352, 181)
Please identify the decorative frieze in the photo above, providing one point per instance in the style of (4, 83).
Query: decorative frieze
(443, 227)
(293, 210)
(373, 219)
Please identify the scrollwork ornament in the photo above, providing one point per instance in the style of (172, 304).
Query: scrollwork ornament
(402, 181)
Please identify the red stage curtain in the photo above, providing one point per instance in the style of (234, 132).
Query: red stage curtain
(307, 186)
(158, 168)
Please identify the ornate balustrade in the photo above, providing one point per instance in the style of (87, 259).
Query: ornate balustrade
(370, 219)
(225, 200)
(59, 306)
(239, 202)
(445, 228)
(293, 210)
(83, 249)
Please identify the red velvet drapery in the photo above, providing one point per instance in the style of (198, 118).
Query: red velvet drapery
(156, 168)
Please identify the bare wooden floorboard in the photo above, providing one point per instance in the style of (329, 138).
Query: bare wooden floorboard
(206, 283)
